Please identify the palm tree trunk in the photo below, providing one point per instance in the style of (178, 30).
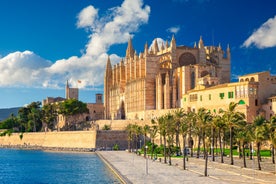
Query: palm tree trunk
(259, 155)
(220, 146)
(243, 154)
(203, 142)
(216, 146)
(206, 163)
(198, 146)
(231, 146)
(184, 154)
(165, 154)
(170, 160)
(273, 154)
(152, 148)
(251, 154)
(213, 145)
(240, 149)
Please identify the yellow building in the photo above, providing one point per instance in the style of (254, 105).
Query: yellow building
(157, 79)
(253, 92)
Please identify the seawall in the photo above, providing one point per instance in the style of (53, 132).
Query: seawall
(70, 139)
(67, 140)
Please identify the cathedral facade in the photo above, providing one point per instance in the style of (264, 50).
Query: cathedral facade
(159, 77)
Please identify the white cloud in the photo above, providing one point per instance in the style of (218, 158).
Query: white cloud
(28, 69)
(86, 17)
(22, 69)
(264, 36)
(174, 29)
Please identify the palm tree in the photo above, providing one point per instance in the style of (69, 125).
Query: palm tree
(153, 131)
(177, 115)
(272, 135)
(145, 130)
(163, 133)
(260, 135)
(170, 126)
(242, 139)
(191, 119)
(231, 119)
(219, 123)
(203, 118)
(129, 136)
(183, 130)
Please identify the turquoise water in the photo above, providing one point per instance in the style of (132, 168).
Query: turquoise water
(29, 166)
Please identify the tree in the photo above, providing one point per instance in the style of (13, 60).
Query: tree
(271, 125)
(242, 137)
(219, 123)
(163, 132)
(70, 108)
(260, 135)
(49, 115)
(35, 116)
(231, 119)
(203, 119)
(145, 130)
(183, 130)
(170, 126)
(129, 131)
(177, 115)
(153, 131)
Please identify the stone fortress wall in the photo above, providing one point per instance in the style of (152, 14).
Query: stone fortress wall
(74, 139)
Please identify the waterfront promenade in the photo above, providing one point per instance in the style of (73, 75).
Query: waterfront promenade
(136, 169)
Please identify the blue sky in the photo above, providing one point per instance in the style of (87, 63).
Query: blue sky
(44, 43)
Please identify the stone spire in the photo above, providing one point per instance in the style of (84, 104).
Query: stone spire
(146, 50)
(219, 47)
(228, 53)
(162, 47)
(200, 43)
(173, 42)
(130, 50)
(167, 44)
(108, 66)
(195, 45)
(155, 47)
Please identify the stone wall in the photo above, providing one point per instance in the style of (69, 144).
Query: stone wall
(68, 139)
(106, 139)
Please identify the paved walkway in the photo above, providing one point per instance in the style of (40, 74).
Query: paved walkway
(133, 169)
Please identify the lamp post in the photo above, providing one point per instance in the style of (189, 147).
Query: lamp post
(146, 147)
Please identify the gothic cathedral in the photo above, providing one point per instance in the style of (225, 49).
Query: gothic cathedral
(158, 78)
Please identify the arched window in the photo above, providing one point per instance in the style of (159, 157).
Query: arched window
(246, 80)
(252, 79)
(241, 80)
(187, 59)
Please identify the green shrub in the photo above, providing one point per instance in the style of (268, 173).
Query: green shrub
(116, 147)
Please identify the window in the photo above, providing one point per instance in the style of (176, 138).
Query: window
(256, 102)
(200, 97)
(193, 97)
(210, 97)
(231, 94)
(221, 95)
(184, 99)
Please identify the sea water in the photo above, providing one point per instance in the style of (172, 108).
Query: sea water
(34, 166)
